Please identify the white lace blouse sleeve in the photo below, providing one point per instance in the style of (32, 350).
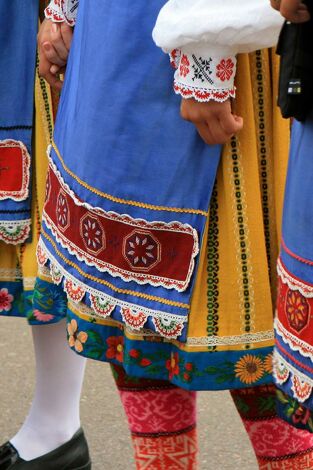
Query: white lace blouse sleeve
(204, 37)
(59, 11)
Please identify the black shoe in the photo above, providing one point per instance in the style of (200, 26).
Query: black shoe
(73, 455)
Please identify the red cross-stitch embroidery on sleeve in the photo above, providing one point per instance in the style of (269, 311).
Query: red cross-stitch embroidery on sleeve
(225, 69)
(184, 66)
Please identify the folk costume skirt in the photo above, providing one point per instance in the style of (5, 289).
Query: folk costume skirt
(166, 272)
(293, 364)
(18, 263)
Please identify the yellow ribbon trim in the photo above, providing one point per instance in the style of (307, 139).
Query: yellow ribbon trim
(125, 201)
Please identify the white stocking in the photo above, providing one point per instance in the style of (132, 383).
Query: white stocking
(54, 415)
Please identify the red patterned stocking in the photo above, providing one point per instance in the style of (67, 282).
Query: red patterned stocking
(162, 421)
(277, 444)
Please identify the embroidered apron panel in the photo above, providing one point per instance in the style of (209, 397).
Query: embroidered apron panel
(19, 20)
(130, 181)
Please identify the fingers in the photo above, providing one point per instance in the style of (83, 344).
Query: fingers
(58, 42)
(214, 121)
(205, 134)
(52, 55)
(229, 123)
(275, 4)
(44, 71)
(54, 41)
(294, 11)
(67, 35)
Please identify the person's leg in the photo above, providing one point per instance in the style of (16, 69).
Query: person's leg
(277, 445)
(162, 422)
(54, 415)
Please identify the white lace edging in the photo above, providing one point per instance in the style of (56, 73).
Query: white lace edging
(103, 304)
(14, 232)
(251, 338)
(29, 283)
(203, 95)
(296, 344)
(294, 284)
(12, 274)
(302, 385)
(114, 271)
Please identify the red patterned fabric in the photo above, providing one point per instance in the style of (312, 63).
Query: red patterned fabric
(176, 452)
(162, 421)
(14, 170)
(159, 411)
(277, 444)
(291, 462)
(276, 438)
(157, 253)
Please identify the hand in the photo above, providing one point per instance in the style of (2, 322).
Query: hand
(54, 42)
(294, 11)
(214, 121)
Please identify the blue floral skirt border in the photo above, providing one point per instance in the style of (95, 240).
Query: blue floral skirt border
(105, 340)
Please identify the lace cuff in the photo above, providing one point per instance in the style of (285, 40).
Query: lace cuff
(204, 78)
(59, 11)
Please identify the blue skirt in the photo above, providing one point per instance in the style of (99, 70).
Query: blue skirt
(294, 321)
(129, 182)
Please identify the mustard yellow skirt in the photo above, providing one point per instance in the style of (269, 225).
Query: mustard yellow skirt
(230, 332)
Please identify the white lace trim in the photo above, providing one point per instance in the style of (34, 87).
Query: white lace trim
(296, 344)
(294, 284)
(80, 289)
(59, 11)
(14, 232)
(89, 312)
(251, 338)
(114, 271)
(204, 78)
(29, 283)
(12, 274)
(302, 385)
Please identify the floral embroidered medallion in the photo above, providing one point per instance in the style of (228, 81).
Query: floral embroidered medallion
(14, 170)
(56, 274)
(301, 389)
(62, 211)
(102, 307)
(297, 310)
(142, 250)
(135, 320)
(168, 328)
(6, 300)
(74, 292)
(184, 66)
(42, 257)
(225, 69)
(280, 371)
(92, 234)
(14, 233)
